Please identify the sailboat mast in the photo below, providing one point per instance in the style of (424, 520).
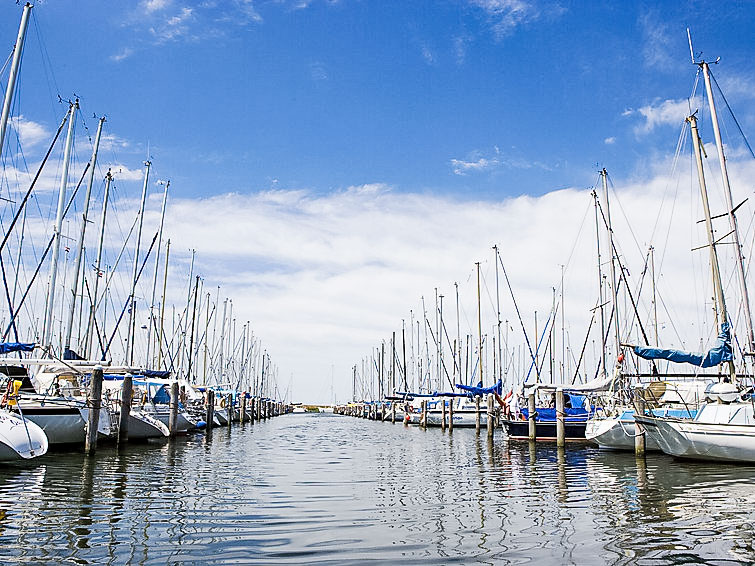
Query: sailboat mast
(161, 330)
(498, 322)
(80, 248)
(730, 209)
(479, 321)
(715, 270)
(47, 330)
(130, 335)
(601, 301)
(614, 290)
(151, 322)
(10, 89)
(98, 266)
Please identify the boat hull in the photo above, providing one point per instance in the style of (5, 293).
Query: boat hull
(20, 439)
(546, 430)
(687, 438)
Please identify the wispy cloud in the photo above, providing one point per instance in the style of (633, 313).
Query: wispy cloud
(656, 42)
(124, 53)
(318, 71)
(29, 133)
(507, 15)
(461, 167)
(610, 141)
(477, 162)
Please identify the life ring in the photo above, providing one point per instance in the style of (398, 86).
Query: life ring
(222, 402)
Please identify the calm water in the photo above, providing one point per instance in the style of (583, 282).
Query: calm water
(324, 489)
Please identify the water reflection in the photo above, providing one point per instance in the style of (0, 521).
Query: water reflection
(328, 489)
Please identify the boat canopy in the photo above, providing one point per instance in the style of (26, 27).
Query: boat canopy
(8, 347)
(720, 353)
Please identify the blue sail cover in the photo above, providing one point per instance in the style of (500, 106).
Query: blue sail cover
(8, 347)
(480, 390)
(720, 353)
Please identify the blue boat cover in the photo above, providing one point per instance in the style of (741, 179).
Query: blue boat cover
(156, 373)
(8, 347)
(480, 390)
(720, 353)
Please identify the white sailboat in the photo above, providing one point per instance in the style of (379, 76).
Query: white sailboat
(724, 427)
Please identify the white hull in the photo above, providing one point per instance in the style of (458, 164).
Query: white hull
(616, 433)
(162, 413)
(222, 416)
(694, 438)
(142, 426)
(63, 420)
(20, 439)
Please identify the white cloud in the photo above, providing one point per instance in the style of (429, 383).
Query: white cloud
(662, 113)
(122, 173)
(150, 6)
(30, 133)
(324, 278)
(610, 140)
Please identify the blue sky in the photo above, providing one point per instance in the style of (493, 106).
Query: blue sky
(333, 161)
(323, 95)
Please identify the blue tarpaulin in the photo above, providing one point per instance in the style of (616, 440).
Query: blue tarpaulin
(8, 347)
(720, 353)
(480, 390)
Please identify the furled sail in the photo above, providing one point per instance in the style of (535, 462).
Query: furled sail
(480, 390)
(8, 347)
(720, 353)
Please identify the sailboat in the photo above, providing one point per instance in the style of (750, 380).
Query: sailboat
(724, 427)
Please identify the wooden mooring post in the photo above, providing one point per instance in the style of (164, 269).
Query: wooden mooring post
(477, 414)
(560, 419)
(242, 416)
(393, 412)
(93, 417)
(639, 429)
(451, 415)
(173, 417)
(491, 417)
(231, 412)
(442, 414)
(127, 392)
(423, 417)
(531, 415)
(210, 414)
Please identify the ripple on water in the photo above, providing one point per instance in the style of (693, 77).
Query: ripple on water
(323, 489)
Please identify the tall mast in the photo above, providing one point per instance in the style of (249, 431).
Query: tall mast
(161, 330)
(98, 267)
(655, 305)
(80, 248)
(18, 49)
(191, 338)
(47, 330)
(457, 350)
(498, 311)
(219, 380)
(614, 290)
(715, 270)
(440, 344)
(730, 210)
(403, 348)
(601, 301)
(130, 336)
(151, 322)
(479, 319)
